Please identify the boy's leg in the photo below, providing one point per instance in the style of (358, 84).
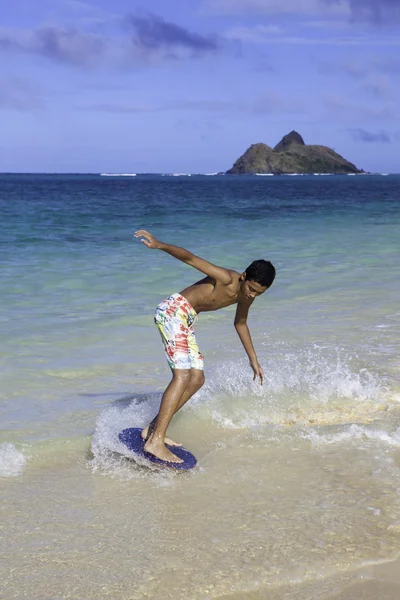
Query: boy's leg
(185, 359)
(196, 369)
(169, 403)
(195, 383)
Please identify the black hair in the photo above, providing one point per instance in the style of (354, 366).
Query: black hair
(262, 272)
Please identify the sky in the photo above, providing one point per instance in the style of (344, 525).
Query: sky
(187, 85)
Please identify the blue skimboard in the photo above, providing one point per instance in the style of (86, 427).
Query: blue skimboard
(133, 441)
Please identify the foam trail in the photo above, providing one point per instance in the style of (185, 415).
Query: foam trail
(298, 389)
(12, 461)
(109, 454)
(356, 433)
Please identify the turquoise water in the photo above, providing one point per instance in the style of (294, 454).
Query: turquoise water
(80, 360)
(78, 293)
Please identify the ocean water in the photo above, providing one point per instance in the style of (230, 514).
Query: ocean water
(298, 480)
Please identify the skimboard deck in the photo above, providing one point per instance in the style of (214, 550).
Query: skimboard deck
(133, 440)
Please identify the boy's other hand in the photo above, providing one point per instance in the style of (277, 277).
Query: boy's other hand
(149, 240)
(258, 372)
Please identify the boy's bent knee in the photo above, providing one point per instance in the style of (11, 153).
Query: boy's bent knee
(197, 377)
(181, 374)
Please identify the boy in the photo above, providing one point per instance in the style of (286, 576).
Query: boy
(175, 317)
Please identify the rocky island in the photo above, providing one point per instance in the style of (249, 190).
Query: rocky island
(291, 155)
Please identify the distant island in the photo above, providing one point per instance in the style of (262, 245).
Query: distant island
(291, 155)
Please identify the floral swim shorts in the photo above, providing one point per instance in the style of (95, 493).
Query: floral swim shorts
(174, 318)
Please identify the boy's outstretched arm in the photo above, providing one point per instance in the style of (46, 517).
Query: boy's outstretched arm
(217, 273)
(245, 337)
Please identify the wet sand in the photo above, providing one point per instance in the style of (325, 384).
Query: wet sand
(267, 515)
(375, 582)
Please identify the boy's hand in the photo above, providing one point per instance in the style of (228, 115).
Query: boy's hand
(149, 239)
(258, 372)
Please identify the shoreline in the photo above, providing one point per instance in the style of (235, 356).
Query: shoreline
(379, 581)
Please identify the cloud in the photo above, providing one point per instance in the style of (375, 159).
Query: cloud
(390, 65)
(263, 7)
(255, 35)
(356, 68)
(375, 11)
(373, 74)
(362, 67)
(260, 38)
(377, 85)
(61, 45)
(271, 103)
(20, 94)
(264, 64)
(338, 107)
(217, 106)
(83, 12)
(71, 46)
(379, 12)
(361, 135)
(116, 108)
(149, 37)
(153, 33)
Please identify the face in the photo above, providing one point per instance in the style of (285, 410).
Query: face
(251, 289)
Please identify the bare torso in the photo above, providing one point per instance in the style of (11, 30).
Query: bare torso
(209, 294)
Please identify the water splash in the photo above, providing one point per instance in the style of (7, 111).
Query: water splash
(12, 461)
(109, 455)
(355, 433)
(308, 388)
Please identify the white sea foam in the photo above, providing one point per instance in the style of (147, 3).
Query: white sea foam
(118, 174)
(354, 433)
(309, 389)
(176, 174)
(320, 394)
(108, 452)
(12, 461)
(305, 390)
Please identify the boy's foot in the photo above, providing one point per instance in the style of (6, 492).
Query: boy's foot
(159, 450)
(145, 433)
